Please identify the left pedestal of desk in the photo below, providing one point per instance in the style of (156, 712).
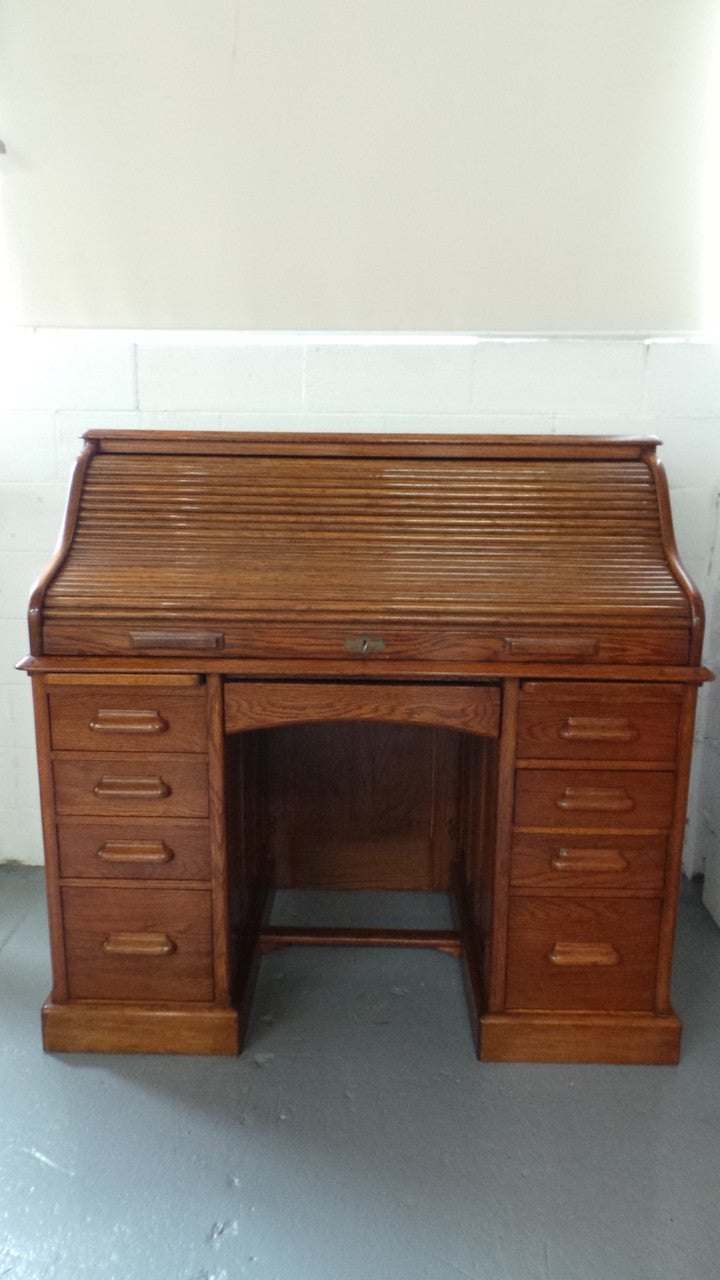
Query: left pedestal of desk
(135, 908)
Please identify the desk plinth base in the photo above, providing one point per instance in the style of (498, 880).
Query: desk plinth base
(632, 1038)
(94, 1026)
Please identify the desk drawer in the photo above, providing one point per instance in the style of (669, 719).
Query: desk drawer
(605, 799)
(571, 861)
(138, 944)
(135, 850)
(582, 953)
(109, 718)
(594, 728)
(153, 786)
(371, 641)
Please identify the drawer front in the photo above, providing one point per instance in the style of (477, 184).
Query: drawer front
(138, 944)
(587, 862)
(257, 704)
(374, 641)
(594, 798)
(582, 953)
(134, 850)
(124, 719)
(594, 729)
(150, 786)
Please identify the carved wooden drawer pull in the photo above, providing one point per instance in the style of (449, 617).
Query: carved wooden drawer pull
(600, 799)
(550, 646)
(598, 729)
(139, 944)
(115, 720)
(176, 639)
(131, 788)
(135, 851)
(583, 953)
(589, 860)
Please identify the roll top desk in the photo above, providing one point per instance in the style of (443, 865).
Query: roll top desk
(463, 664)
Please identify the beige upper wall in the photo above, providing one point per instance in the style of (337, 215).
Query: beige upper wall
(328, 164)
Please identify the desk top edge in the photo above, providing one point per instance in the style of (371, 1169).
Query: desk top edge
(374, 670)
(381, 444)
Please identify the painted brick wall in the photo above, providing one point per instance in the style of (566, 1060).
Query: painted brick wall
(56, 384)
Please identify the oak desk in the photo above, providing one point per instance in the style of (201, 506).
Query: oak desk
(391, 662)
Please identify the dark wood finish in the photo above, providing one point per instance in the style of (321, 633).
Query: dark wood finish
(365, 662)
(249, 863)
(496, 942)
(477, 851)
(474, 950)
(362, 806)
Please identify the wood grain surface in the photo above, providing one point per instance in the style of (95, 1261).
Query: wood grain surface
(166, 542)
(541, 929)
(594, 798)
(365, 662)
(570, 861)
(474, 708)
(362, 806)
(118, 718)
(591, 728)
(102, 966)
(138, 848)
(151, 786)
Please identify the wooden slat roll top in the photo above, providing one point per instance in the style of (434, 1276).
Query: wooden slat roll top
(409, 551)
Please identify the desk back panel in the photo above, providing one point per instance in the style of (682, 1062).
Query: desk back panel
(362, 806)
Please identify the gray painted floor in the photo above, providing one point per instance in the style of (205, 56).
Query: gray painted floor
(357, 1138)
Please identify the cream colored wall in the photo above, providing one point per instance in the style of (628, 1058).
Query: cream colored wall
(496, 165)
(54, 386)
(482, 166)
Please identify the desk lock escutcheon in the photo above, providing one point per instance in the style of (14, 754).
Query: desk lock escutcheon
(364, 644)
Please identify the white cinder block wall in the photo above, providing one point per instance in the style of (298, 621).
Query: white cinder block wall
(56, 384)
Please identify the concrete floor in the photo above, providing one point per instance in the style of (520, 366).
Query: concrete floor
(357, 1138)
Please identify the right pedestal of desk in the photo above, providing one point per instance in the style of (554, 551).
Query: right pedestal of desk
(587, 873)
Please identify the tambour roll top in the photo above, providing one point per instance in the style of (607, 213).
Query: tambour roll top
(482, 549)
